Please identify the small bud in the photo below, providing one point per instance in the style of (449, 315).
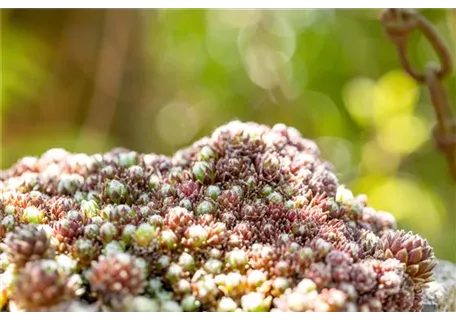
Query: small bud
(166, 189)
(289, 204)
(79, 196)
(213, 192)
(233, 283)
(322, 247)
(174, 273)
(267, 190)
(97, 221)
(255, 278)
(168, 239)
(8, 223)
(163, 262)
(190, 303)
(284, 238)
(197, 234)
(203, 172)
(156, 221)
(186, 261)
(168, 201)
(306, 286)
(237, 259)
(122, 214)
(255, 302)
(4, 263)
(69, 183)
(251, 182)
(226, 305)
(89, 208)
(154, 285)
(91, 231)
(204, 207)
(30, 181)
(185, 203)
(154, 181)
(143, 198)
(213, 266)
(215, 253)
(238, 191)
(128, 159)
(275, 197)
(116, 191)
(206, 153)
(107, 171)
(136, 173)
(170, 306)
(142, 265)
(144, 235)
(93, 196)
(74, 215)
(293, 247)
(127, 233)
(84, 251)
(344, 195)
(143, 304)
(107, 232)
(10, 210)
(33, 215)
(113, 247)
(279, 286)
(145, 211)
(183, 286)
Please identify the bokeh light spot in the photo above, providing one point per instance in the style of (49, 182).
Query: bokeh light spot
(267, 68)
(177, 123)
(235, 18)
(403, 134)
(358, 96)
(395, 93)
(407, 201)
(376, 159)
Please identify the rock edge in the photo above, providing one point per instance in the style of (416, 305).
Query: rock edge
(441, 294)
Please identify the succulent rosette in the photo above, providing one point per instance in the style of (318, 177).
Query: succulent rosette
(248, 219)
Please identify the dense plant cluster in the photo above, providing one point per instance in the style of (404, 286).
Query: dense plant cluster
(249, 219)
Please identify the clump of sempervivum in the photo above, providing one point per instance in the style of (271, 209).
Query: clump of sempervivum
(26, 243)
(39, 285)
(249, 219)
(116, 276)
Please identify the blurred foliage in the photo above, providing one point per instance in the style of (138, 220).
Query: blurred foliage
(155, 80)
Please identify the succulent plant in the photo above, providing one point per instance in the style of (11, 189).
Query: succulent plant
(116, 275)
(411, 250)
(26, 243)
(85, 251)
(248, 219)
(38, 285)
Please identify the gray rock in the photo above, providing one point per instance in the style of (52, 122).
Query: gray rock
(441, 294)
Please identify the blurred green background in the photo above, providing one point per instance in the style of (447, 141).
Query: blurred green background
(155, 80)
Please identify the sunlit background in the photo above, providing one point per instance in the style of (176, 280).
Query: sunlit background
(156, 80)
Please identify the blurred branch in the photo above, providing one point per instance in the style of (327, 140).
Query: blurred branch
(56, 92)
(451, 20)
(399, 24)
(109, 74)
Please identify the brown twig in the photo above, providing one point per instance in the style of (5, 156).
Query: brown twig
(109, 75)
(399, 24)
